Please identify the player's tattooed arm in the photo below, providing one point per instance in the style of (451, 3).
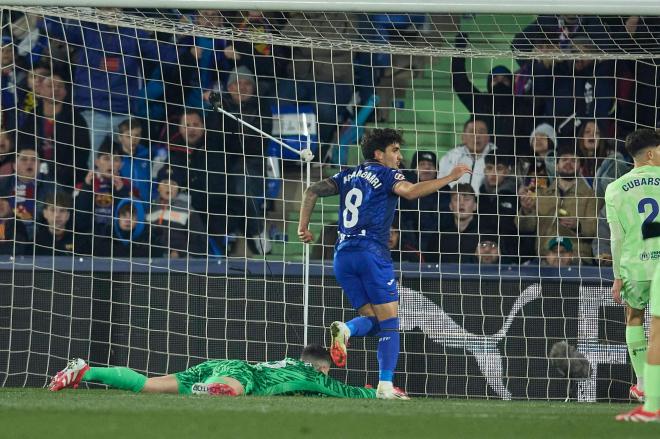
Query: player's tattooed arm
(323, 188)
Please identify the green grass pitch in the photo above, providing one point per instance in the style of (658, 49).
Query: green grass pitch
(96, 414)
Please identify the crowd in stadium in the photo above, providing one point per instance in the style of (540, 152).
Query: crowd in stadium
(109, 145)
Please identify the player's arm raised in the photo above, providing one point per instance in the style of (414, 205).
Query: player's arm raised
(323, 188)
(412, 191)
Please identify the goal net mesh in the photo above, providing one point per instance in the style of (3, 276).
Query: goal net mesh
(140, 227)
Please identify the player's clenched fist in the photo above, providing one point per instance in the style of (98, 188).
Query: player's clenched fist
(305, 235)
(460, 171)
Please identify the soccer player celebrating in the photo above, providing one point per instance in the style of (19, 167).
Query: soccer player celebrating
(632, 207)
(362, 263)
(224, 378)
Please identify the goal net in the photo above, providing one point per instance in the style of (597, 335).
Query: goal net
(148, 206)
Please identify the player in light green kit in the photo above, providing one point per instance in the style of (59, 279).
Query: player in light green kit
(225, 378)
(632, 203)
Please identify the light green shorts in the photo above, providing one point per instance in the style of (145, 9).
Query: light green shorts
(635, 293)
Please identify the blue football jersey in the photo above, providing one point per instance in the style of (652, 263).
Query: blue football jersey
(367, 204)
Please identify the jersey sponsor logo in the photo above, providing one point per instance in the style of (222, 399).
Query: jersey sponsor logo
(650, 256)
(399, 176)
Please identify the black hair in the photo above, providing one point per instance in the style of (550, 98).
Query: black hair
(639, 140)
(58, 199)
(317, 355)
(476, 119)
(568, 147)
(379, 139)
(464, 189)
(494, 159)
(29, 146)
(190, 111)
(109, 147)
(129, 124)
(127, 208)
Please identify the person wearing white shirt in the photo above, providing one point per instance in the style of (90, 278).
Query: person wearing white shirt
(472, 152)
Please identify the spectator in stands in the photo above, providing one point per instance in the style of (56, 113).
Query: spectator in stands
(601, 247)
(617, 163)
(560, 253)
(245, 158)
(9, 79)
(475, 147)
(509, 116)
(498, 203)
(33, 82)
(488, 250)
(459, 230)
(390, 74)
(195, 152)
(33, 45)
(202, 61)
(639, 33)
(419, 218)
(564, 31)
(107, 74)
(537, 171)
(97, 196)
(13, 236)
(136, 162)
(399, 251)
(323, 77)
(6, 153)
(54, 236)
(568, 207)
(58, 132)
(324, 248)
(593, 148)
(132, 235)
(581, 89)
(27, 186)
(260, 58)
(177, 231)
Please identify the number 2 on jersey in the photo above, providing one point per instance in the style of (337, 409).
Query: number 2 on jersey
(650, 229)
(352, 202)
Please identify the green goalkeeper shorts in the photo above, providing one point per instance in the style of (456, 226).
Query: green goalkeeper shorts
(210, 370)
(636, 294)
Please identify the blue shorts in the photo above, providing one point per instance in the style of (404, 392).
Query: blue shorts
(365, 277)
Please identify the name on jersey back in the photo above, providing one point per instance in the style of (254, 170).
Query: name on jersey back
(649, 181)
(367, 175)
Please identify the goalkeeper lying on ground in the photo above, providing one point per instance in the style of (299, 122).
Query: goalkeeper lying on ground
(225, 378)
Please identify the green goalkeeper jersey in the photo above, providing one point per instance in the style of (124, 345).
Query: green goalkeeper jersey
(291, 376)
(631, 202)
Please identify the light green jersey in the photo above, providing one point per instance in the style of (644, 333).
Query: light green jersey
(291, 376)
(655, 294)
(632, 201)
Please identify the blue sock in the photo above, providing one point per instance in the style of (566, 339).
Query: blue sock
(361, 326)
(388, 348)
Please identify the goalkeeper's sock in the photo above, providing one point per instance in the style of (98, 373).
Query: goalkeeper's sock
(361, 326)
(637, 345)
(118, 377)
(652, 392)
(388, 348)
